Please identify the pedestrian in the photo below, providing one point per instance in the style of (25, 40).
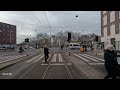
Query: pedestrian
(111, 63)
(21, 49)
(46, 53)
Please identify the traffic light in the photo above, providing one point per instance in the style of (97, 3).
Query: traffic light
(96, 38)
(26, 40)
(69, 37)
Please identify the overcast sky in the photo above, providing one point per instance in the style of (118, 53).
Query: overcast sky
(29, 21)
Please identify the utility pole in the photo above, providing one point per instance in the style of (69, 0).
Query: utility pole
(69, 39)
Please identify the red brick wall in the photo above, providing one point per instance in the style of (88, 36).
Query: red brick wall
(5, 33)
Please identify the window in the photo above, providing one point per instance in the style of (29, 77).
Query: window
(112, 16)
(3, 25)
(113, 42)
(7, 26)
(104, 12)
(112, 29)
(75, 45)
(105, 31)
(105, 20)
(11, 26)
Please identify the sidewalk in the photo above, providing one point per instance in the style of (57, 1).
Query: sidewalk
(87, 71)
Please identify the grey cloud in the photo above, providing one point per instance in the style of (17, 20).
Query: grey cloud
(29, 21)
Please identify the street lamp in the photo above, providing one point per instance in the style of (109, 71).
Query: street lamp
(76, 16)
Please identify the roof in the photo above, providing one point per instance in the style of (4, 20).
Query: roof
(7, 23)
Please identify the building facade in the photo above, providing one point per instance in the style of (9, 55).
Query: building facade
(110, 28)
(7, 35)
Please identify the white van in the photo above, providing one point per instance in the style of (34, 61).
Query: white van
(74, 46)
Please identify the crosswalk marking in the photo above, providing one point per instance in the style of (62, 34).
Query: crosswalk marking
(96, 63)
(60, 58)
(44, 64)
(11, 57)
(69, 64)
(54, 58)
(33, 58)
(57, 64)
(94, 57)
(82, 58)
(89, 58)
(39, 58)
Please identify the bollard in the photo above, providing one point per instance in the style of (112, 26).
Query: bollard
(69, 52)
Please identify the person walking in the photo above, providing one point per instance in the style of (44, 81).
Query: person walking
(61, 47)
(46, 53)
(111, 63)
(21, 49)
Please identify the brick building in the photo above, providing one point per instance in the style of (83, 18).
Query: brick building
(110, 28)
(7, 35)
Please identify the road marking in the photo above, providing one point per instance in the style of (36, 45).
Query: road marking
(57, 64)
(94, 57)
(54, 58)
(44, 64)
(89, 58)
(60, 58)
(82, 58)
(33, 58)
(6, 60)
(96, 63)
(39, 58)
(69, 64)
(11, 57)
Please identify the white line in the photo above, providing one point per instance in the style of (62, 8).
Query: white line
(57, 64)
(28, 70)
(39, 58)
(94, 57)
(89, 58)
(82, 58)
(44, 64)
(7, 60)
(96, 63)
(69, 64)
(60, 58)
(33, 58)
(54, 58)
(11, 57)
